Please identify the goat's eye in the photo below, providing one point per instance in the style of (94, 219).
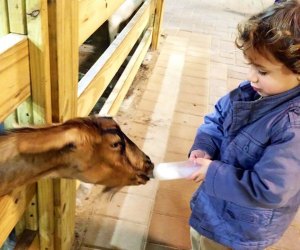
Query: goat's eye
(116, 144)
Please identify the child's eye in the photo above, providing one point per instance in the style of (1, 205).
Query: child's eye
(263, 73)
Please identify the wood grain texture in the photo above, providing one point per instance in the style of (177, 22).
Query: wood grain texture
(14, 73)
(92, 14)
(12, 207)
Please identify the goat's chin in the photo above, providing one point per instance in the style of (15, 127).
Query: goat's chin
(137, 179)
(142, 179)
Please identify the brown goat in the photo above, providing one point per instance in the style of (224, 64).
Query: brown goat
(91, 149)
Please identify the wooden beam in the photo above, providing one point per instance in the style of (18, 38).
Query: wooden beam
(92, 14)
(12, 207)
(64, 211)
(158, 19)
(14, 73)
(39, 64)
(46, 214)
(63, 36)
(40, 79)
(17, 16)
(4, 25)
(116, 97)
(93, 84)
(37, 24)
(24, 116)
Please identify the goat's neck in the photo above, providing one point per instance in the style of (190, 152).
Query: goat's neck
(18, 169)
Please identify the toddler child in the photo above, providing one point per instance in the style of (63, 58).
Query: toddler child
(248, 149)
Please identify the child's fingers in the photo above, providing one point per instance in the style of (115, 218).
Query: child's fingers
(198, 179)
(197, 176)
(193, 157)
(207, 156)
(199, 161)
(193, 176)
(196, 154)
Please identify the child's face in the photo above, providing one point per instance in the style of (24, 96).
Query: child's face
(269, 76)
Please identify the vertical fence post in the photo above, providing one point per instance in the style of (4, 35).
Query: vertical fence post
(158, 19)
(63, 35)
(37, 32)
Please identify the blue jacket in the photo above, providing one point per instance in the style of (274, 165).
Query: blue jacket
(251, 191)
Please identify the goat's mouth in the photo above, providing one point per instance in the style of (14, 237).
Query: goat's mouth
(144, 177)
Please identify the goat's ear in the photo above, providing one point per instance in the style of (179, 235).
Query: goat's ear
(41, 141)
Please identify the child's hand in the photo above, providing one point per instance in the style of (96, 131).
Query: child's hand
(201, 173)
(199, 154)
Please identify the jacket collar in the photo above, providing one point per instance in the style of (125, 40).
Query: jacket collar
(246, 108)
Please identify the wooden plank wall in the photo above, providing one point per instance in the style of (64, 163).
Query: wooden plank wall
(33, 51)
(19, 72)
(101, 73)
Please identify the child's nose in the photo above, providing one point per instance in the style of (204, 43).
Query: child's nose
(252, 75)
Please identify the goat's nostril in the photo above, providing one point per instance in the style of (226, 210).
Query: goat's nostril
(149, 165)
(148, 160)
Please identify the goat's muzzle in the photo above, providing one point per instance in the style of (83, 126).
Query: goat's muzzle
(149, 167)
(147, 172)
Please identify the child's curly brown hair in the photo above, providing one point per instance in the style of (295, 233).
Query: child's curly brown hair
(274, 31)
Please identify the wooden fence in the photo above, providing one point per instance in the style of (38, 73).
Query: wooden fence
(39, 43)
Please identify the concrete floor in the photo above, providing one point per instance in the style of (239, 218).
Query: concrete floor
(197, 63)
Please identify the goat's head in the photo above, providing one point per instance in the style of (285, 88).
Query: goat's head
(92, 149)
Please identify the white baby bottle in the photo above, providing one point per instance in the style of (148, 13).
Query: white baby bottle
(174, 170)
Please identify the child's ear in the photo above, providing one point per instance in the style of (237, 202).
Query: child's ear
(44, 140)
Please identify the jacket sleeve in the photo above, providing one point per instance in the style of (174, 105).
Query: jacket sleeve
(272, 182)
(209, 134)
